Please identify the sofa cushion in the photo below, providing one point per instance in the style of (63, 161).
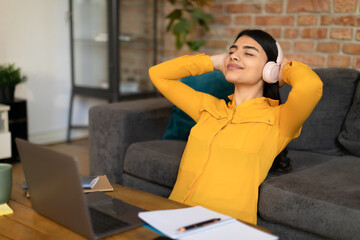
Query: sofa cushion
(324, 199)
(144, 185)
(350, 136)
(301, 160)
(156, 161)
(320, 131)
(289, 233)
(213, 83)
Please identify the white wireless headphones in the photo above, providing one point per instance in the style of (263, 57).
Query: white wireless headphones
(272, 69)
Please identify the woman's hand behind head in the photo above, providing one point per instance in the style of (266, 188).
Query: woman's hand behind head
(218, 61)
(281, 80)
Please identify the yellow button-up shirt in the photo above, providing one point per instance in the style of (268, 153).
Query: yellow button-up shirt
(231, 148)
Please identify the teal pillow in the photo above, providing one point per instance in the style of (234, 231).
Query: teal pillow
(213, 83)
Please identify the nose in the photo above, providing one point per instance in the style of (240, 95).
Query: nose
(234, 57)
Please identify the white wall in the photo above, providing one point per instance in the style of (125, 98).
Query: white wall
(35, 36)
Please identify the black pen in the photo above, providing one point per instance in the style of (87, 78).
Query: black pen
(200, 224)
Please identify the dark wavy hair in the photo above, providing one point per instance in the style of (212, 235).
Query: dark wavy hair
(271, 90)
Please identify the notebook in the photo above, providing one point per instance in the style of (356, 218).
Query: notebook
(54, 184)
(197, 223)
(86, 182)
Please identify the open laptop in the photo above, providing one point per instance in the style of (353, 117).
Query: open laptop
(55, 192)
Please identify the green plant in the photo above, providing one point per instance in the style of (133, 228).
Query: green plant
(187, 15)
(10, 76)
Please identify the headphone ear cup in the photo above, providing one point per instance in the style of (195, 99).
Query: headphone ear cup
(271, 72)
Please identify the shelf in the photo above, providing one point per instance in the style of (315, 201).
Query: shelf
(104, 39)
(113, 43)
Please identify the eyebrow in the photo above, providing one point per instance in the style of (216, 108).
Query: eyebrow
(244, 47)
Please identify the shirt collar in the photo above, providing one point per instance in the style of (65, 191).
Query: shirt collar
(255, 101)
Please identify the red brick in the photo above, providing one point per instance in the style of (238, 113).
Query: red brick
(307, 20)
(233, 32)
(358, 35)
(243, 20)
(274, 21)
(356, 63)
(213, 51)
(216, 31)
(303, 46)
(328, 47)
(309, 59)
(326, 20)
(351, 48)
(291, 33)
(339, 61)
(222, 20)
(285, 45)
(308, 6)
(217, 9)
(345, 5)
(221, 44)
(274, 32)
(274, 6)
(244, 8)
(341, 33)
(316, 33)
(339, 20)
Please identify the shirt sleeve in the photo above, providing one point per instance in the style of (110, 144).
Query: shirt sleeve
(165, 77)
(305, 94)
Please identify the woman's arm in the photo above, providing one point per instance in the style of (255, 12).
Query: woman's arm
(165, 77)
(305, 94)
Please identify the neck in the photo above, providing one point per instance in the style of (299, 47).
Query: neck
(244, 93)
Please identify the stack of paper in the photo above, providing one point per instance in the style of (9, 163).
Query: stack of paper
(102, 185)
(169, 222)
(89, 184)
(86, 182)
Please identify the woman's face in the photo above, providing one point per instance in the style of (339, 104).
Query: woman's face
(245, 62)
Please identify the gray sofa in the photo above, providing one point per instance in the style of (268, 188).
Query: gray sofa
(319, 199)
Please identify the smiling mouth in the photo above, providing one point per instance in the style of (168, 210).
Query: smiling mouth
(234, 67)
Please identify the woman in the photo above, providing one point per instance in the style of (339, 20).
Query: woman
(232, 147)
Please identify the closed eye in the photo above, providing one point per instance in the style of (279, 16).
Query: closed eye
(232, 49)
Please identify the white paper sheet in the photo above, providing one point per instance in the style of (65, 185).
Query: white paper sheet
(169, 221)
(232, 231)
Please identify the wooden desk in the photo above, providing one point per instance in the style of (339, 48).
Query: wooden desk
(25, 223)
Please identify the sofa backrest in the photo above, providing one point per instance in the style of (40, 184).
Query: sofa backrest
(320, 131)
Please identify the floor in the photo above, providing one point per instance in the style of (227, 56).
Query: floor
(78, 149)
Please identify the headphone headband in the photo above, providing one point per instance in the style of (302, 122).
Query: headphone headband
(280, 55)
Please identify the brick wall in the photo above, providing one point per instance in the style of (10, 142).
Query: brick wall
(320, 33)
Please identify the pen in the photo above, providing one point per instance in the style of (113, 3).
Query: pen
(200, 224)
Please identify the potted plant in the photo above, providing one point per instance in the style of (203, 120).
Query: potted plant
(188, 17)
(10, 76)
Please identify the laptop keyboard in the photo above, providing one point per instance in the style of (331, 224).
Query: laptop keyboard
(103, 222)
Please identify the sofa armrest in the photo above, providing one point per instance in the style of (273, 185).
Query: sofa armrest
(113, 127)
